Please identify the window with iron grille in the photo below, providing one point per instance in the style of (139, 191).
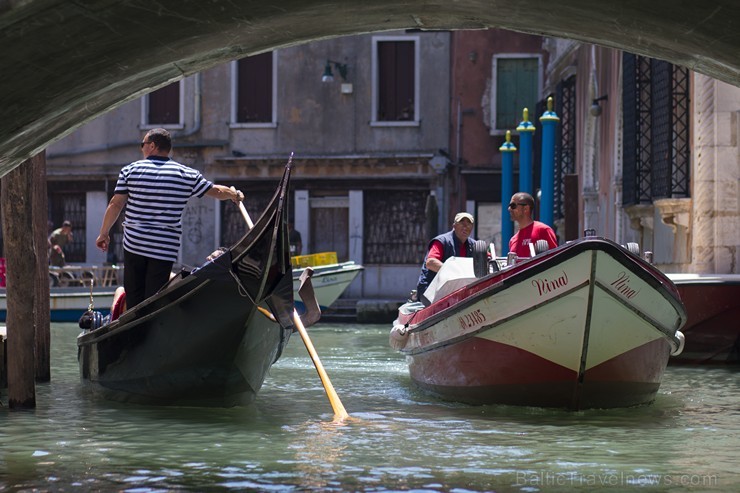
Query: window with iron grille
(253, 89)
(163, 106)
(565, 141)
(396, 85)
(656, 151)
(395, 227)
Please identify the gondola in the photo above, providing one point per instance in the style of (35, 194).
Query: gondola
(210, 335)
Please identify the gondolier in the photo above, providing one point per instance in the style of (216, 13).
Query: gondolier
(454, 243)
(155, 191)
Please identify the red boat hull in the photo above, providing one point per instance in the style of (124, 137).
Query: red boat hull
(713, 309)
(479, 371)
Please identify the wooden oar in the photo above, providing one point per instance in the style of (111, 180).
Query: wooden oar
(339, 412)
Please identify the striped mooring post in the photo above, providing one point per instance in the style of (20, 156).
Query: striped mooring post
(526, 133)
(548, 120)
(507, 190)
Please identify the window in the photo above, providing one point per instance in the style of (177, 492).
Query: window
(656, 151)
(516, 85)
(254, 91)
(395, 226)
(163, 107)
(395, 80)
(565, 142)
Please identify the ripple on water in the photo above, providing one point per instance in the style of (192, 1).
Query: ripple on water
(399, 438)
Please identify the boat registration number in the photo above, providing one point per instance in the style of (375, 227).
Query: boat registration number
(471, 319)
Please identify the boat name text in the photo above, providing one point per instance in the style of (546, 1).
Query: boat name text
(621, 284)
(469, 320)
(545, 285)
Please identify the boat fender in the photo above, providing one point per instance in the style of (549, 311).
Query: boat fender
(91, 320)
(399, 336)
(681, 343)
(119, 303)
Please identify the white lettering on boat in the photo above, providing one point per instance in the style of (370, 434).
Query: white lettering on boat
(621, 284)
(545, 285)
(471, 319)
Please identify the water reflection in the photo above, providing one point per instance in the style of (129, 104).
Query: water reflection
(398, 438)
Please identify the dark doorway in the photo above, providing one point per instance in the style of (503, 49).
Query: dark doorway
(330, 226)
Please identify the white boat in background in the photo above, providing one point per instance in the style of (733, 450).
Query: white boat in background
(70, 285)
(330, 278)
(70, 293)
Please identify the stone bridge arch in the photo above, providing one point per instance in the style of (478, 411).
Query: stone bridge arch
(65, 62)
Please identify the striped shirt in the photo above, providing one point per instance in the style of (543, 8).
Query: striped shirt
(158, 190)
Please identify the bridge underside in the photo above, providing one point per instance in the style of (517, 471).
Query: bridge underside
(65, 62)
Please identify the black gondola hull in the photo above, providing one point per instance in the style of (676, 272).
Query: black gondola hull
(209, 337)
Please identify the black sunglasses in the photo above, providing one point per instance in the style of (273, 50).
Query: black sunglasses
(514, 204)
(144, 143)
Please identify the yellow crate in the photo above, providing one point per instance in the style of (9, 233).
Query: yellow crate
(314, 260)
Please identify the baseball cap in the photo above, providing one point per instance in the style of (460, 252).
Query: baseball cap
(464, 215)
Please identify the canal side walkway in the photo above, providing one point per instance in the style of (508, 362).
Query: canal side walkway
(363, 311)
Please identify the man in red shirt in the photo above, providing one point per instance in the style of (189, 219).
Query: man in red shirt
(520, 211)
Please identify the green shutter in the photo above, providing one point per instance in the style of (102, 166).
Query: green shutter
(517, 82)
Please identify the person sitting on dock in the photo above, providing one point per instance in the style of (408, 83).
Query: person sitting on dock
(57, 239)
(454, 243)
(520, 211)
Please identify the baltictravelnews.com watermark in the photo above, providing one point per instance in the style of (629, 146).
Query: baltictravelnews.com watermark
(548, 478)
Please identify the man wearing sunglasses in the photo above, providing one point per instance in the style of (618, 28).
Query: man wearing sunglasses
(155, 191)
(455, 243)
(520, 211)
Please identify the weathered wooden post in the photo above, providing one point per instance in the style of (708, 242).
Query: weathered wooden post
(548, 120)
(526, 133)
(21, 259)
(507, 190)
(42, 309)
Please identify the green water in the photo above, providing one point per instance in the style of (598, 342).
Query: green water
(399, 440)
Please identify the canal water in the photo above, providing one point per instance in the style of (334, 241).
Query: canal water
(398, 440)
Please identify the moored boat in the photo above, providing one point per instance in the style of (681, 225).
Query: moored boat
(209, 336)
(330, 278)
(713, 308)
(70, 292)
(585, 325)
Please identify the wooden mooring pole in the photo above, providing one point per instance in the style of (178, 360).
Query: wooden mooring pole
(42, 307)
(24, 256)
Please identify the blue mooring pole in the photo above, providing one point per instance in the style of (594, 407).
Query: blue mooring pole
(507, 190)
(548, 120)
(526, 132)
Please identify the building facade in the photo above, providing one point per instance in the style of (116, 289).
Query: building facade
(652, 149)
(394, 133)
(364, 117)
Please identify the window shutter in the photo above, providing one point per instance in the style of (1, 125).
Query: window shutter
(254, 90)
